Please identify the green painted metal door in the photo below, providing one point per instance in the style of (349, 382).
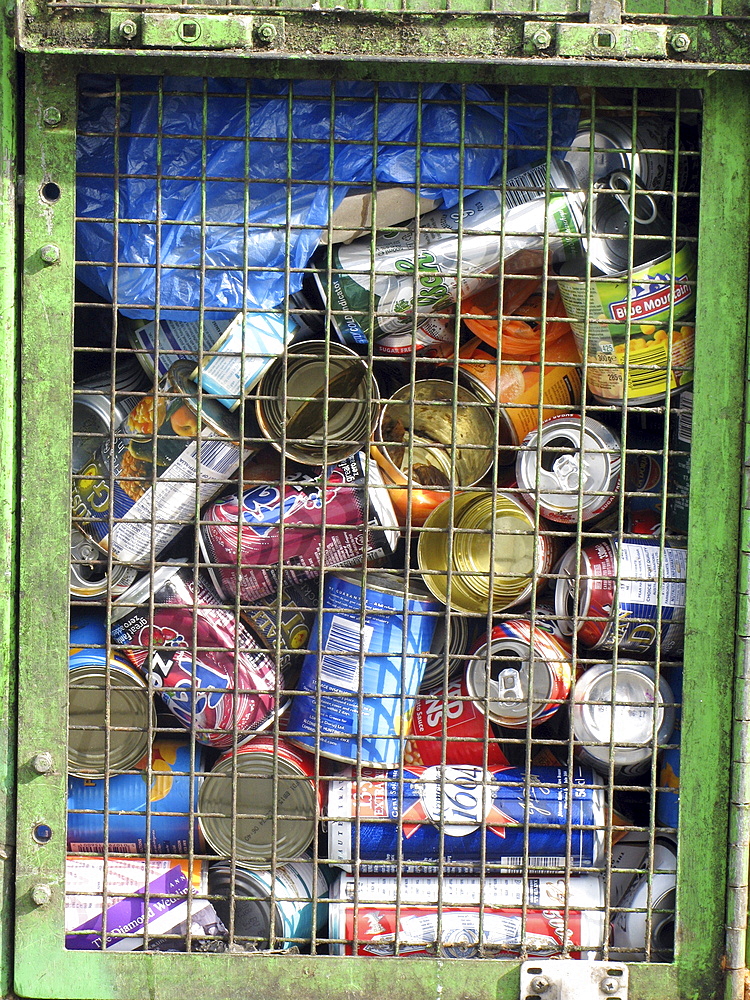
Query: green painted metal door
(84, 101)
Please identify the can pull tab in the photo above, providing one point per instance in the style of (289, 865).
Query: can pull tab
(566, 470)
(509, 685)
(619, 183)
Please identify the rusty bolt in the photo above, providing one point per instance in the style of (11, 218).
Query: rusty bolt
(266, 32)
(540, 984)
(128, 29)
(42, 762)
(541, 39)
(49, 253)
(680, 42)
(51, 117)
(609, 986)
(41, 894)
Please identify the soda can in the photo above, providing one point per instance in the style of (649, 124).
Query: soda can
(646, 932)
(519, 675)
(347, 520)
(173, 450)
(448, 727)
(259, 804)
(450, 917)
(359, 682)
(570, 460)
(489, 543)
(450, 642)
(680, 440)
(279, 909)
(431, 332)
(318, 403)
(620, 602)
(668, 796)
(629, 857)
(91, 576)
(464, 818)
(620, 715)
(177, 903)
(211, 673)
(110, 709)
(147, 808)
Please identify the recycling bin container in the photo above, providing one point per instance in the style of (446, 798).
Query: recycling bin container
(381, 543)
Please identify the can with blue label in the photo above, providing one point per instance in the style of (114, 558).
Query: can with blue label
(149, 807)
(668, 796)
(359, 683)
(466, 818)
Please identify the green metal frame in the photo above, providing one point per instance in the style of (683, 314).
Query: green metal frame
(42, 967)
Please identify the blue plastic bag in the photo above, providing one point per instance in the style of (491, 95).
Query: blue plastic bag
(202, 174)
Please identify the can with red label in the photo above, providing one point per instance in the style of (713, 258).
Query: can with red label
(519, 675)
(449, 727)
(455, 917)
(209, 670)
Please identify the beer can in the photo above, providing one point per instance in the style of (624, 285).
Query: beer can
(347, 520)
(620, 600)
(489, 544)
(110, 709)
(668, 796)
(154, 807)
(317, 404)
(448, 727)
(177, 903)
(211, 673)
(620, 715)
(450, 642)
(175, 449)
(380, 916)
(259, 803)
(91, 576)
(680, 440)
(645, 933)
(570, 460)
(465, 818)
(359, 683)
(519, 675)
(280, 909)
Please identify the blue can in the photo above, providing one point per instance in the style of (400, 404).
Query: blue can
(468, 819)
(358, 688)
(88, 627)
(166, 790)
(668, 800)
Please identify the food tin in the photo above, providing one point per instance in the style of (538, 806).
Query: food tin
(519, 675)
(174, 450)
(211, 673)
(465, 818)
(283, 621)
(359, 683)
(278, 909)
(259, 804)
(447, 656)
(646, 932)
(454, 917)
(92, 578)
(348, 520)
(569, 461)
(620, 602)
(154, 807)
(620, 716)
(317, 404)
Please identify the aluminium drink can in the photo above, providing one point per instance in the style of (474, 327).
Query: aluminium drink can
(643, 930)
(91, 576)
(668, 796)
(453, 917)
(464, 818)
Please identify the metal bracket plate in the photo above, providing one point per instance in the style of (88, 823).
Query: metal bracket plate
(604, 41)
(155, 30)
(558, 980)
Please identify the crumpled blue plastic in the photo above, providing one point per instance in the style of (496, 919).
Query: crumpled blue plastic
(200, 174)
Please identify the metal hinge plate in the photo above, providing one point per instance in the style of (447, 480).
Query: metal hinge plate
(605, 41)
(559, 980)
(156, 30)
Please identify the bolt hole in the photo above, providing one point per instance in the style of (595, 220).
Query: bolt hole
(189, 30)
(42, 833)
(605, 40)
(51, 192)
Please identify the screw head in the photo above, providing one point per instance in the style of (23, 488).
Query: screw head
(51, 117)
(680, 42)
(50, 254)
(609, 986)
(540, 984)
(42, 762)
(128, 29)
(541, 39)
(41, 894)
(266, 32)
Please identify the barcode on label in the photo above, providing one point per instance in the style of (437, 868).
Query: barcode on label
(220, 457)
(533, 183)
(348, 637)
(685, 423)
(99, 848)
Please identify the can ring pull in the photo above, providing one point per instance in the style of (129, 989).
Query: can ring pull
(620, 177)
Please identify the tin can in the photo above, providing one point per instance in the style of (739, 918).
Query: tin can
(283, 621)
(465, 818)
(519, 675)
(346, 521)
(450, 642)
(680, 440)
(668, 796)
(211, 673)
(620, 602)
(91, 576)
(359, 683)
(110, 709)
(570, 460)
(125, 377)
(646, 933)
(259, 803)
(538, 206)
(130, 922)
(620, 715)
(448, 727)
(188, 442)
(318, 403)
(644, 475)
(381, 916)
(628, 859)
(279, 909)
(93, 416)
(152, 807)
(489, 543)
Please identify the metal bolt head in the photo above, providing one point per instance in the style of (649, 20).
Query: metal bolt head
(128, 29)
(541, 39)
(51, 117)
(540, 984)
(680, 42)
(609, 986)
(41, 894)
(266, 32)
(49, 253)
(42, 762)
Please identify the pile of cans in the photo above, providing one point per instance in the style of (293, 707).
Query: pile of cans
(376, 632)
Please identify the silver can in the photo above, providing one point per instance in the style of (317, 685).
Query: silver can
(91, 577)
(646, 931)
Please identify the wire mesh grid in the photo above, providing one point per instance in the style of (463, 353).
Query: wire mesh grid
(380, 505)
